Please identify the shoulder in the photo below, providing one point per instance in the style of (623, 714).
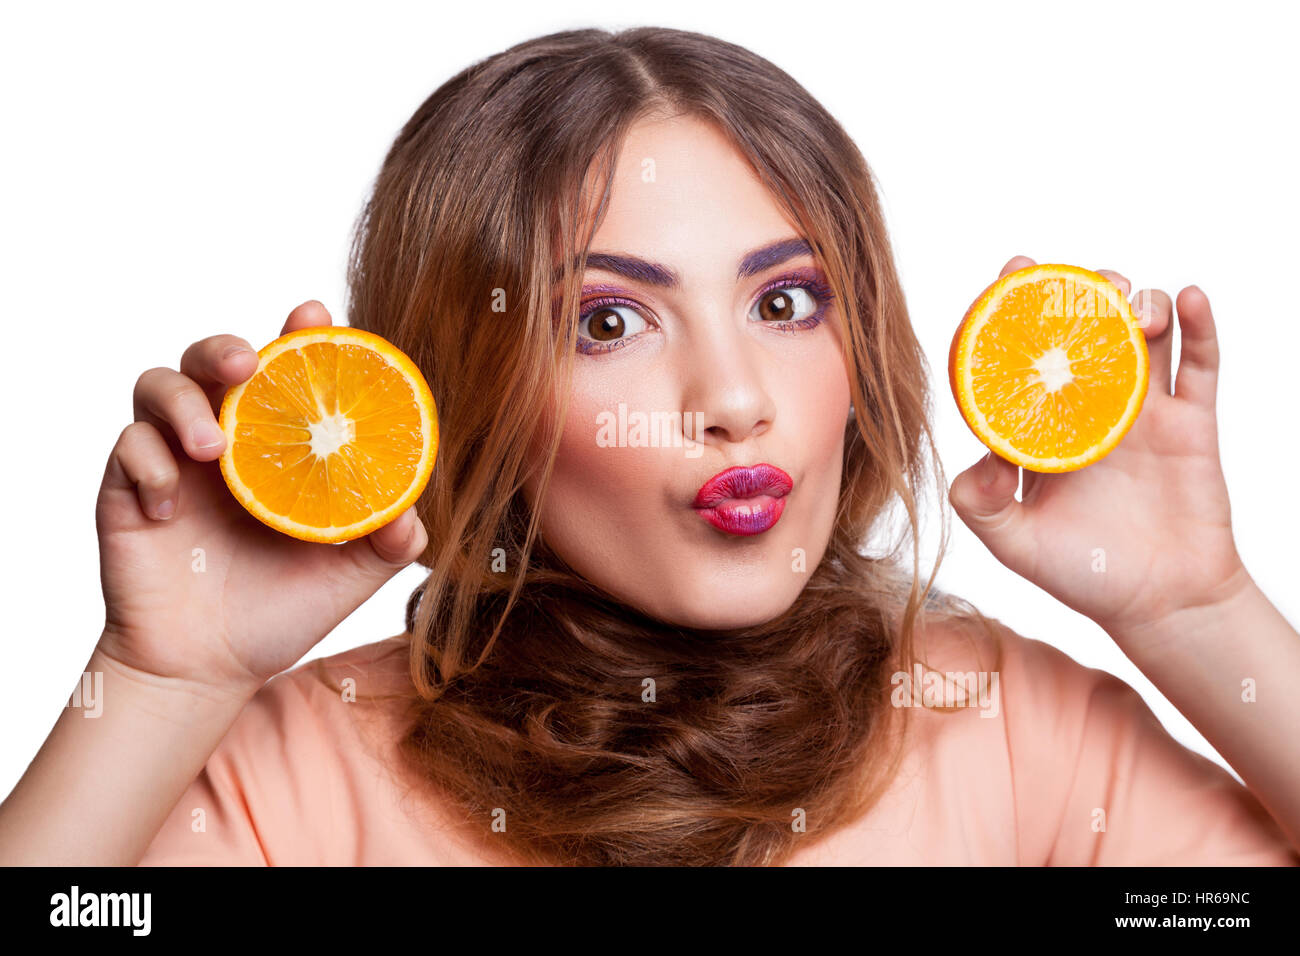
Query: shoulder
(364, 673)
(1096, 779)
(951, 799)
(312, 694)
(287, 770)
(336, 714)
(995, 647)
(1033, 686)
(313, 720)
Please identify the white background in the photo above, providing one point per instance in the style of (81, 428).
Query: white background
(170, 172)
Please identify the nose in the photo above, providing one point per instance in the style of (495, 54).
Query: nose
(724, 390)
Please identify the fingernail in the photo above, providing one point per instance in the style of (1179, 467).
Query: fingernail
(207, 435)
(989, 471)
(236, 350)
(165, 509)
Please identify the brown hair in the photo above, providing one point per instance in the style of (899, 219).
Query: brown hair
(528, 683)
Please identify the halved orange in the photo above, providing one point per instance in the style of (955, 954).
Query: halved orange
(332, 437)
(1049, 367)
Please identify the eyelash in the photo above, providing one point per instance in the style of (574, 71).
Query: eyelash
(797, 280)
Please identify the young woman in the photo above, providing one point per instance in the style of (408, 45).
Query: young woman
(665, 645)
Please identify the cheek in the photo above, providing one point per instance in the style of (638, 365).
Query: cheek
(816, 402)
(591, 484)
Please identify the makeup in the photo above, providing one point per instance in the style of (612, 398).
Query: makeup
(599, 297)
(744, 500)
(750, 343)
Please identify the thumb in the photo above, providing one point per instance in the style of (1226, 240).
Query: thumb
(984, 497)
(385, 551)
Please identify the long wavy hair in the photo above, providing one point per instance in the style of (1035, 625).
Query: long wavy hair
(528, 681)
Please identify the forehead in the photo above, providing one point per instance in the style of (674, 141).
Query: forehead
(684, 196)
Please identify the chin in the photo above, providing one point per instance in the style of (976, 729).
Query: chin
(725, 606)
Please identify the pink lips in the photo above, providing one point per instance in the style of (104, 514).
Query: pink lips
(744, 500)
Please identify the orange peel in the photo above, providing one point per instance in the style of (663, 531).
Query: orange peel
(333, 436)
(1049, 367)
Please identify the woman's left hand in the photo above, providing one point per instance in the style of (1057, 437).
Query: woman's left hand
(1146, 531)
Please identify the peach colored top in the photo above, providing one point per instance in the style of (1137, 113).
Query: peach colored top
(1072, 768)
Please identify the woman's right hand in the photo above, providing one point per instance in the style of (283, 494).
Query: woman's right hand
(210, 595)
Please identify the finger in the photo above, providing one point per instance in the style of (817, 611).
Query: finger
(1014, 263)
(1116, 278)
(307, 316)
(1154, 310)
(984, 497)
(172, 401)
(1198, 361)
(1028, 482)
(217, 363)
(141, 469)
(382, 553)
(400, 541)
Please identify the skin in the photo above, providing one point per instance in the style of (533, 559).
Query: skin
(1175, 595)
(763, 394)
(182, 653)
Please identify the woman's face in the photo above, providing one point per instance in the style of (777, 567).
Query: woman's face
(698, 352)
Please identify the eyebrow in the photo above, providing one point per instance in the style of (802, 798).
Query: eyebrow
(652, 273)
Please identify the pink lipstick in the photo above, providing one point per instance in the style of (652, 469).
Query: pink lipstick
(744, 500)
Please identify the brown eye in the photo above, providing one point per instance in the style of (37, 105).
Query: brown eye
(609, 322)
(785, 305)
(606, 324)
(777, 305)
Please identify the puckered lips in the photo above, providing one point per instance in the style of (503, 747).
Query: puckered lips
(745, 499)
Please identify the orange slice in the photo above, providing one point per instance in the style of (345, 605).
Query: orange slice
(1049, 367)
(332, 437)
